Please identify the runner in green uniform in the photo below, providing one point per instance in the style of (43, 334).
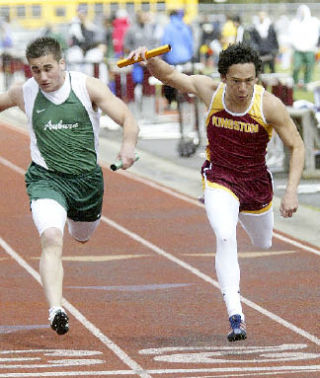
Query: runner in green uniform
(64, 181)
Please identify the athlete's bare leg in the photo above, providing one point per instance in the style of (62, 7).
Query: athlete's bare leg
(49, 218)
(51, 270)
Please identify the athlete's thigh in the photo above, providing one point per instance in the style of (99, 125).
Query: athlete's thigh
(259, 227)
(82, 231)
(47, 213)
(222, 208)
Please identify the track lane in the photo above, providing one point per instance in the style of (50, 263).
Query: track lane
(192, 313)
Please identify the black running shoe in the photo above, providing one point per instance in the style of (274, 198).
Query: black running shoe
(238, 329)
(59, 320)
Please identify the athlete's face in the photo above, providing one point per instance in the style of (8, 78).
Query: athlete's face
(47, 72)
(240, 81)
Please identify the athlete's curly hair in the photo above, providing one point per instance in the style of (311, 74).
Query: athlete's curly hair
(238, 53)
(44, 46)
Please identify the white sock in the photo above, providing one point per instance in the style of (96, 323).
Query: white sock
(233, 303)
(53, 310)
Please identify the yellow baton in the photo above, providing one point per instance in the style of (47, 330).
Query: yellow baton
(149, 54)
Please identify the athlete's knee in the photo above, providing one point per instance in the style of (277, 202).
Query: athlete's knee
(51, 237)
(226, 235)
(80, 236)
(82, 231)
(84, 241)
(263, 244)
(51, 243)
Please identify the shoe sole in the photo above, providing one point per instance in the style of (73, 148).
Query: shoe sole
(60, 323)
(237, 337)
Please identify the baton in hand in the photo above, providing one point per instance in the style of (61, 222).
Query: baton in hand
(118, 164)
(149, 54)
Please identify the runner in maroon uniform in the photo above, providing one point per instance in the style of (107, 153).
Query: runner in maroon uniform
(237, 184)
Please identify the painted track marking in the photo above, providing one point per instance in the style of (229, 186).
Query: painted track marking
(185, 198)
(209, 280)
(260, 354)
(191, 269)
(81, 318)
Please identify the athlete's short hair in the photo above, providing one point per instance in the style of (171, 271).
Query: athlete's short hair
(238, 53)
(44, 46)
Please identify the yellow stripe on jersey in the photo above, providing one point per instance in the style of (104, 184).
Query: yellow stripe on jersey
(214, 185)
(216, 102)
(261, 211)
(255, 112)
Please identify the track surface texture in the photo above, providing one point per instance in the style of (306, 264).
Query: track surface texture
(142, 295)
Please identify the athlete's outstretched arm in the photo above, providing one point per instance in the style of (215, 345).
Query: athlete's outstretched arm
(278, 116)
(200, 85)
(12, 97)
(116, 109)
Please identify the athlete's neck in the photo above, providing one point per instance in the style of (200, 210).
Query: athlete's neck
(234, 106)
(61, 94)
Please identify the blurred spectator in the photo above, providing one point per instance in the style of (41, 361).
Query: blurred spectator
(240, 29)
(51, 30)
(209, 32)
(108, 30)
(228, 32)
(282, 27)
(120, 25)
(141, 33)
(6, 40)
(304, 34)
(179, 36)
(264, 40)
(82, 32)
(86, 46)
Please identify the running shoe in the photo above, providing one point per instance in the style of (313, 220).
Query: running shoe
(238, 329)
(59, 320)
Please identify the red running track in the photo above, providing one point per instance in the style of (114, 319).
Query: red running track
(142, 295)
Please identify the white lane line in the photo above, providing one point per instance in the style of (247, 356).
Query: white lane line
(256, 370)
(193, 201)
(296, 243)
(178, 195)
(239, 369)
(159, 187)
(12, 166)
(112, 373)
(208, 279)
(138, 370)
(203, 276)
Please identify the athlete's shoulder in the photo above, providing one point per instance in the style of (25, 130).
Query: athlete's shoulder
(30, 83)
(273, 107)
(78, 79)
(77, 75)
(270, 101)
(206, 87)
(259, 89)
(12, 97)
